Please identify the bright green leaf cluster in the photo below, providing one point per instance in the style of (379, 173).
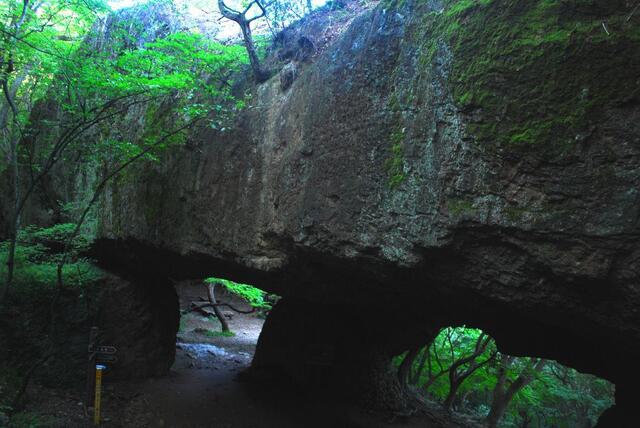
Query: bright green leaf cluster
(561, 396)
(254, 296)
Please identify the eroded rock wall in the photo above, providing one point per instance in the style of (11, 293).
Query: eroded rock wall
(478, 159)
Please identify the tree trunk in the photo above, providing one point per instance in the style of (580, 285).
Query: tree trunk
(463, 397)
(10, 268)
(457, 378)
(526, 421)
(15, 223)
(498, 403)
(432, 377)
(245, 25)
(258, 73)
(415, 377)
(501, 397)
(451, 397)
(216, 309)
(498, 408)
(9, 95)
(405, 366)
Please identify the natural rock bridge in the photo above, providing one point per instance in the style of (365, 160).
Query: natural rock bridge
(381, 186)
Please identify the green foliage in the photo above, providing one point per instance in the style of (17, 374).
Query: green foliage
(450, 345)
(262, 43)
(87, 91)
(184, 62)
(181, 77)
(56, 57)
(395, 164)
(558, 396)
(567, 398)
(27, 321)
(46, 38)
(37, 253)
(254, 296)
(282, 13)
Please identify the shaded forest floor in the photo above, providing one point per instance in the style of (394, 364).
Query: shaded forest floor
(204, 390)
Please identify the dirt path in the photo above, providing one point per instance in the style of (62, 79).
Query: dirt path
(203, 389)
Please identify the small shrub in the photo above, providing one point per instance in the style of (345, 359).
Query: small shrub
(254, 296)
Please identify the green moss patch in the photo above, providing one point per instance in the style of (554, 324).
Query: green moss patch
(459, 207)
(395, 163)
(538, 74)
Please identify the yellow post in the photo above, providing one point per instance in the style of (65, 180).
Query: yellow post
(96, 405)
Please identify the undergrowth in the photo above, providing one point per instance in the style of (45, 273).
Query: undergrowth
(26, 321)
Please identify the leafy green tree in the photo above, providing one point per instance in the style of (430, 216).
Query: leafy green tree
(35, 39)
(277, 14)
(466, 362)
(508, 384)
(65, 91)
(244, 18)
(448, 364)
(255, 297)
(175, 82)
(562, 397)
(189, 72)
(505, 391)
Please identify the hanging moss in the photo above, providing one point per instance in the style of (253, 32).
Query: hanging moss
(395, 163)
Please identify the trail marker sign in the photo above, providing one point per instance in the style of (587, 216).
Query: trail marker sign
(106, 358)
(108, 350)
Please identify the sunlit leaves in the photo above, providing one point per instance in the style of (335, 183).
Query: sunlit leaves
(57, 57)
(556, 396)
(254, 296)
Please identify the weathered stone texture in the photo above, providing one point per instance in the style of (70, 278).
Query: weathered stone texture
(362, 182)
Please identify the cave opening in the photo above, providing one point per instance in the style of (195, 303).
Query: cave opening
(358, 352)
(220, 322)
(463, 370)
(344, 347)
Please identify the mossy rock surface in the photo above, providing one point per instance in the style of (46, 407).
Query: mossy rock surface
(535, 75)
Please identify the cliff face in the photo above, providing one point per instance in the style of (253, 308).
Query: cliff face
(481, 159)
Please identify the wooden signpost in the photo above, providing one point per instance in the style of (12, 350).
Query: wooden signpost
(98, 395)
(99, 356)
(91, 369)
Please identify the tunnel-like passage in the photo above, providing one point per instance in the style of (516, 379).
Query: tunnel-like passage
(348, 351)
(344, 344)
(462, 369)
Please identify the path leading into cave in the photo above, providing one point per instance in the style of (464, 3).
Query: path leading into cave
(203, 389)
